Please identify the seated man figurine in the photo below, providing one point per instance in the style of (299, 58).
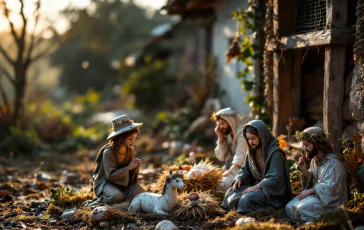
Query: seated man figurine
(263, 181)
(230, 146)
(324, 184)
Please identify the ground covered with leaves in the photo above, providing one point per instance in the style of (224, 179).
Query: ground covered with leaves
(48, 190)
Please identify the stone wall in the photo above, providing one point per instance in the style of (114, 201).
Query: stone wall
(357, 100)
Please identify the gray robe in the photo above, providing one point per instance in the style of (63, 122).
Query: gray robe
(112, 180)
(328, 179)
(274, 179)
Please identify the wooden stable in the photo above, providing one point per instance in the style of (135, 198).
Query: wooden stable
(190, 8)
(289, 49)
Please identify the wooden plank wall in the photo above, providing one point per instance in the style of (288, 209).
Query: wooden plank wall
(335, 56)
(283, 67)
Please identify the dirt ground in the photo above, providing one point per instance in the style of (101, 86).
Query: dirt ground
(27, 199)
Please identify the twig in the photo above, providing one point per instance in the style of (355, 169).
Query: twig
(303, 58)
(6, 13)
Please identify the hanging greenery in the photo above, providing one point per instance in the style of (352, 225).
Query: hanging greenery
(359, 35)
(250, 30)
(268, 55)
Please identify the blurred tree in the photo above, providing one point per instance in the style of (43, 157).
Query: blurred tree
(15, 68)
(98, 38)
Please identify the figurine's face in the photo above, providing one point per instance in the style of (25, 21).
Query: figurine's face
(223, 126)
(309, 149)
(130, 140)
(253, 141)
(178, 183)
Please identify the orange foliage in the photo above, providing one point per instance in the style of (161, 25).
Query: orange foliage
(282, 142)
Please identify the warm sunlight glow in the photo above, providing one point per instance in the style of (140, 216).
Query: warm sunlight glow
(50, 11)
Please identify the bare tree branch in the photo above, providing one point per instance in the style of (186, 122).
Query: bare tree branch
(5, 98)
(41, 54)
(24, 19)
(32, 38)
(7, 74)
(6, 55)
(6, 13)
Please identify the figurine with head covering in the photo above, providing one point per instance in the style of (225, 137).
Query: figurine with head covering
(230, 146)
(264, 180)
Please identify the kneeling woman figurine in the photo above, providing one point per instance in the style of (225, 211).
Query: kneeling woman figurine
(115, 177)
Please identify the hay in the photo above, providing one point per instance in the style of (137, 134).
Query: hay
(54, 211)
(264, 226)
(205, 207)
(67, 200)
(209, 180)
(84, 214)
(268, 214)
(222, 222)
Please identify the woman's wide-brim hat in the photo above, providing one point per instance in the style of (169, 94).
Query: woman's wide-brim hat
(122, 124)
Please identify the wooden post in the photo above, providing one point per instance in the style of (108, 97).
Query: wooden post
(282, 91)
(296, 85)
(335, 57)
(282, 69)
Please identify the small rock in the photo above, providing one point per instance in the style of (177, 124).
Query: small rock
(28, 191)
(244, 220)
(102, 213)
(41, 186)
(359, 228)
(38, 205)
(104, 224)
(68, 213)
(72, 178)
(132, 226)
(4, 193)
(42, 176)
(165, 225)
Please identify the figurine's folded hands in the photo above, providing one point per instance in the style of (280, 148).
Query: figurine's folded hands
(134, 164)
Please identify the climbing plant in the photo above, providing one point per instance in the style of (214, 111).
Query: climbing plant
(250, 31)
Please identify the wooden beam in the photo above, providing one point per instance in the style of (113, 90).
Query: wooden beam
(336, 14)
(325, 37)
(282, 91)
(296, 84)
(318, 38)
(334, 93)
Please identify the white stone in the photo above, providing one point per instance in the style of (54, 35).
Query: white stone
(102, 213)
(244, 220)
(165, 225)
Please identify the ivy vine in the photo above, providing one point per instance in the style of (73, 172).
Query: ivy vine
(250, 26)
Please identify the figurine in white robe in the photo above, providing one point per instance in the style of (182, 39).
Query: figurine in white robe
(231, 147)
(324, 186)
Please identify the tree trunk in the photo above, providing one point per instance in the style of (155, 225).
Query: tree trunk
(19, 91)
